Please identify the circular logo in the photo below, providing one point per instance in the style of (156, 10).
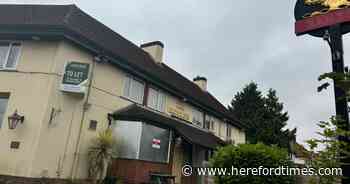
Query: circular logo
(187, 170)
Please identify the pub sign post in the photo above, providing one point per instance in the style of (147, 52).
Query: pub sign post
(328, 19)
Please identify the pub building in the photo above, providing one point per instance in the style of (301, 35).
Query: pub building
(65, 77)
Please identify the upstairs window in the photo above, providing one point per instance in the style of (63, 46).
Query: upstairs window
(198, 118)
(222, 129)
(209, 123)
(156, 99)
(3, 106)
(229, 131)
(134, 89)
(9, 54)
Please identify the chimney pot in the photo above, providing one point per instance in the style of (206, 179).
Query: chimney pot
(201, 82)
(155, 50)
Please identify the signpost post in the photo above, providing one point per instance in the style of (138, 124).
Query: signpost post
(329, 21)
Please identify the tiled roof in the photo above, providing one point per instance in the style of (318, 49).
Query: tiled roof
(78, 26)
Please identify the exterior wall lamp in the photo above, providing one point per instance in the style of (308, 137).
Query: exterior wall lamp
(14, 119)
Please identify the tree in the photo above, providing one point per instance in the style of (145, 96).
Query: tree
(248, 107)
(264, 116)
(274, 121)
(330, 156)
(334, 135)
(252, 156)
(100, 154)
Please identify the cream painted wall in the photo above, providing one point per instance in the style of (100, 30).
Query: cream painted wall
(48, 148)
(29, 94)
(71, 125)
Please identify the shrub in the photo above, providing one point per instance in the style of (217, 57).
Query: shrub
(100, 154)
(252, 156)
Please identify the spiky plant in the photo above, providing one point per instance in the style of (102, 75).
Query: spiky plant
(100, 154)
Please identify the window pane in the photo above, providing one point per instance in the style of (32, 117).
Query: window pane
(229, 131)
(4, 47)
(127, 85)
(198, 117)
(152, 98)
(3, 106)
(13, 56)
(137, 90)
(162, 100)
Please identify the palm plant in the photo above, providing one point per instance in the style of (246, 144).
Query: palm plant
(100, 154)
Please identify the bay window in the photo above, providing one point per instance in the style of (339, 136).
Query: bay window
(134, 89)
(9, 54)
(156, 99)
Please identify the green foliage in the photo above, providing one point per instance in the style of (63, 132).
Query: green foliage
(100, 154)
(248, 107)
(264, 116)
(334, 149)
(333, 133)
(251, 156)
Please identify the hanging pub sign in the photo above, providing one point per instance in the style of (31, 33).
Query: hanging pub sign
(75, 77)
(314, 16)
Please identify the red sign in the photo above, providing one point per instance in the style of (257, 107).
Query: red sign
(321, 21)
(156, 143)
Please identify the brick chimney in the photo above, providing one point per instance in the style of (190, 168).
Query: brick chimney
(201, 82)
(155, 50)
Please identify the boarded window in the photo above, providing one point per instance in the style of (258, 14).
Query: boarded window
(142, 141)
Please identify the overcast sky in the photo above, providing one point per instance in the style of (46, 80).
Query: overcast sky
(231, 43)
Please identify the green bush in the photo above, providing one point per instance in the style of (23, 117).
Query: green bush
(251, 156)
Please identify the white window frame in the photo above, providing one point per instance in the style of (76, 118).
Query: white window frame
(195, 114)
(229, 131)
(160, 95)
(132, 80)
(8, 54)
(211, 122)
(5, 96)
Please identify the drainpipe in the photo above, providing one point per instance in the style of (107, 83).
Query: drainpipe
(85, 108)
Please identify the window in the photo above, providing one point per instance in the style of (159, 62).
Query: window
(156, 99)
(3, 106)
(229, 131)
(209, 123)
(222, 129)
(9, 52)
(134, 89)
(198, 118)
(142, 141)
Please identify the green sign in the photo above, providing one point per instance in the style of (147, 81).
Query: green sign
(75, 76)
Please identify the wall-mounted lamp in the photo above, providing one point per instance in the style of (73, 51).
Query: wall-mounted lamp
(14, 119)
